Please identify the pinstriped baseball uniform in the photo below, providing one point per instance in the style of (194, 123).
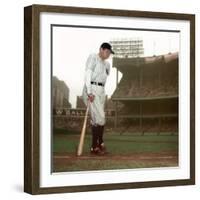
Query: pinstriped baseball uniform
(96, 71)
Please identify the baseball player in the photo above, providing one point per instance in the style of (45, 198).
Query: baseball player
(96, 72)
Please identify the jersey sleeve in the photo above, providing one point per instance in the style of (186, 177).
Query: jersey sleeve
(90, 65)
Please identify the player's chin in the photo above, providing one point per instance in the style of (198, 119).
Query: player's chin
(107, 57)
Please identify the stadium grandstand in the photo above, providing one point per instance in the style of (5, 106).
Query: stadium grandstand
(148, 91)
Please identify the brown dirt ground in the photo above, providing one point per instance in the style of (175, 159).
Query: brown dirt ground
(146, 157)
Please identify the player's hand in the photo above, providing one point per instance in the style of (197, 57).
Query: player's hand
(91, 97)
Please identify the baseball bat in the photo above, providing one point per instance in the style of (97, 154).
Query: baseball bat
(81, 142)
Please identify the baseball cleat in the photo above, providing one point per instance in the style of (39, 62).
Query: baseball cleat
(102, 148)
(95, 151)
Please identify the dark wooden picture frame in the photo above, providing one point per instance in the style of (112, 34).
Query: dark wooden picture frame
(32, 94)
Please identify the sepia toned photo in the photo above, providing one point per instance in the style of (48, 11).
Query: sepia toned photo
(114, 98)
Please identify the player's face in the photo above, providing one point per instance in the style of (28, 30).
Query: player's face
(105, 53)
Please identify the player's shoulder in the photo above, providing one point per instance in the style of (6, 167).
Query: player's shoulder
(107, 64)
(92, 55)
(91, 58)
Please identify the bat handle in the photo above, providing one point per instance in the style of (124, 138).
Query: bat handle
(80, 146)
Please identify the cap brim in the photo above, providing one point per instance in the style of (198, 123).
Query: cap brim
(112, 51)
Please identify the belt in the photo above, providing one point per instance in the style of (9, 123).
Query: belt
(96, 83)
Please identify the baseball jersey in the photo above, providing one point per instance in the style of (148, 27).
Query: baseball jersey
(96, 70)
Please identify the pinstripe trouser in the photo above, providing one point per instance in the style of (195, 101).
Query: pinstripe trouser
(96, 108)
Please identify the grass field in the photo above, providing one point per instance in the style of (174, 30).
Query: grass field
(125, 152)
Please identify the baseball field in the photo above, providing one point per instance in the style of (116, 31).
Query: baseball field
(126, 151)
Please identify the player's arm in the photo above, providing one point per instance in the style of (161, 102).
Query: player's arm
(88, 74)
(108, 69)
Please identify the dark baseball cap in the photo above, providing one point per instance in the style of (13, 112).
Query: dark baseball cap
(106, 45)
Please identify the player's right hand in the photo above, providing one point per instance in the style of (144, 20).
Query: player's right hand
(91, 97)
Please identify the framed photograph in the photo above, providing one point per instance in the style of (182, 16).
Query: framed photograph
(109, 99)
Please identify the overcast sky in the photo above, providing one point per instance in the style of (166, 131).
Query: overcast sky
(71, 47)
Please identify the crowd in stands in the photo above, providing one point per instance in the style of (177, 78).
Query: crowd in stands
(124, 125)
(150, 125)
(148, 87)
